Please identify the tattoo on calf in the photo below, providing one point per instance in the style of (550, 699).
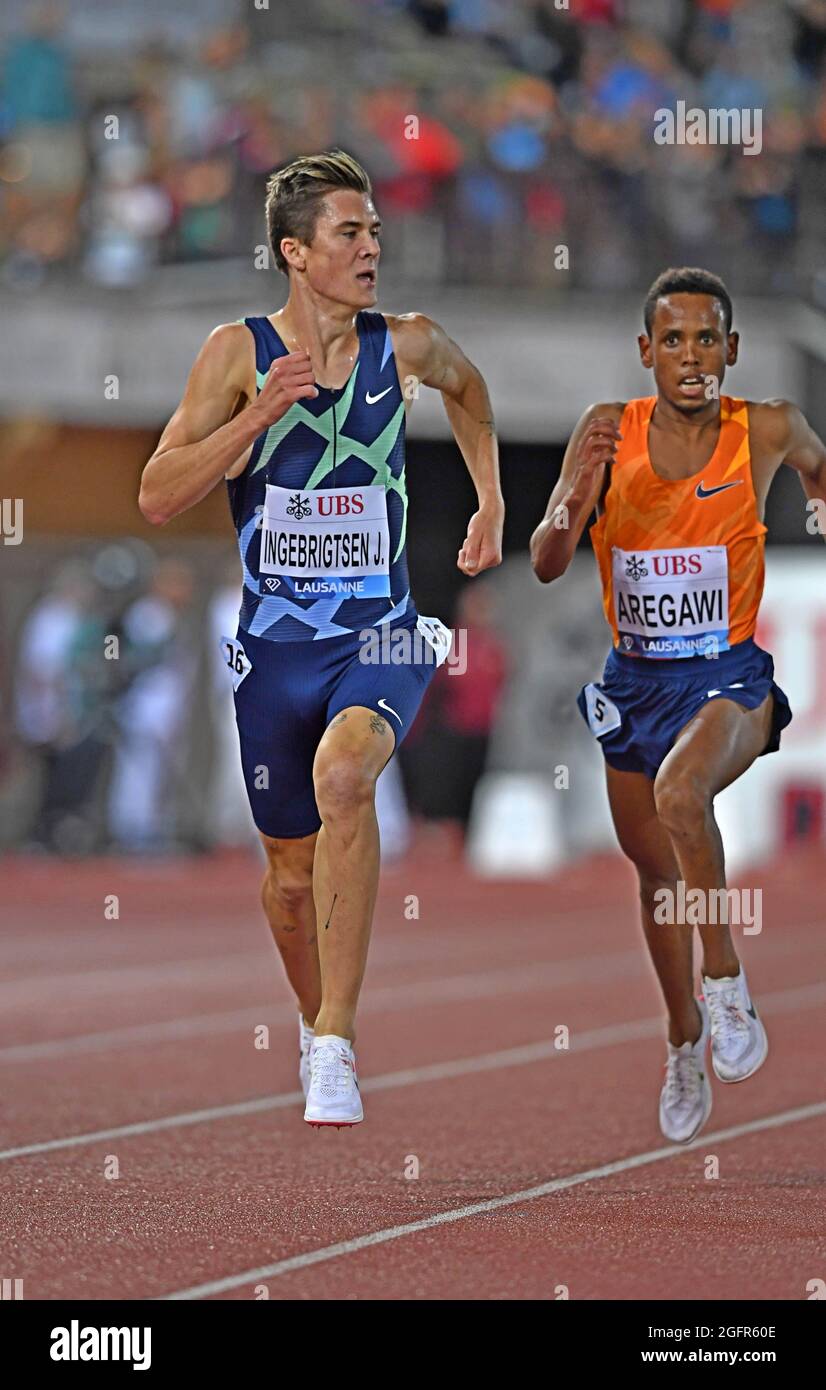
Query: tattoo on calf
(330, 918)
(377, 724)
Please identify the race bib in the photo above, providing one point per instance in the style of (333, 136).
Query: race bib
(671, 603)
(436, 635)
(325, 541)
(603, 715)
(236, 659)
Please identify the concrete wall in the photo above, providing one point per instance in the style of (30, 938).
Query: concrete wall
(545, 360)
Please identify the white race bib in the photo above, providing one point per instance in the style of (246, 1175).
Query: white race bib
(603, 715)
(326, 541)
(437, 636)
(671, 603)
(237, 660)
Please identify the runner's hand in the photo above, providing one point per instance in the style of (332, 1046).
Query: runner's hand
(596, 448)
(483, 544)
(289, 379)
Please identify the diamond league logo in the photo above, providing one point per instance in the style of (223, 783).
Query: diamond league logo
(299, 507)
(272, 584)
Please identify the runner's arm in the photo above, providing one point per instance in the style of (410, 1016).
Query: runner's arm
(577, 490)
(803, 450)
(211, 433)
(201, 442)
(438, 362)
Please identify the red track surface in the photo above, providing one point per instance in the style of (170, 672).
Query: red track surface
(107, 1024)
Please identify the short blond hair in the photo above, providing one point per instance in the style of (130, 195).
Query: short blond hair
(295, 194)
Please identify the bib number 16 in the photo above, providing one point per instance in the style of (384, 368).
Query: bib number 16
(236, 659)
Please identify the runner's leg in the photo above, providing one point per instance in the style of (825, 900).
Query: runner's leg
(711, 751)
(355, 747)
(287, 896)
(645, 841)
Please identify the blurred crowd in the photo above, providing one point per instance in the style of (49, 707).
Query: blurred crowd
(120, 734)
(495, 130)
(105, 688)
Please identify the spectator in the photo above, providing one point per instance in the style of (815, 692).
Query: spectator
(527, 119)
(46, 137)
(61, 707)
(150, 770)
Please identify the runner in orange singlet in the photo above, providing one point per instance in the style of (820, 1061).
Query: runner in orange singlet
(687, 701)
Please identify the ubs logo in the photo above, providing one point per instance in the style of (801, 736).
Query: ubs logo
(635, 569)
(299, 507)
(677, 564)
(338, 504)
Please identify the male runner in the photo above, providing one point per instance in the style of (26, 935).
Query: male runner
(679, 481)
(317, 491)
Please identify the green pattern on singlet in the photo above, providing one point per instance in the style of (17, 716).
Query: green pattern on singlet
(375, 455)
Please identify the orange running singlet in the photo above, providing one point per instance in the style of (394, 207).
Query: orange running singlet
(681, 561)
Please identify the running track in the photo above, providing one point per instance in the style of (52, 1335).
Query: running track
(540, 1169)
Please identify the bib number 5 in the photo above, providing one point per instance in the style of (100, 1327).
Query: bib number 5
(603, 715)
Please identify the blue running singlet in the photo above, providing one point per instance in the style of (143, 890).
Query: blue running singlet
(321, 507)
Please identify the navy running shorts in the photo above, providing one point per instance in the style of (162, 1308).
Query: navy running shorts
(640, 705)
(286, 693)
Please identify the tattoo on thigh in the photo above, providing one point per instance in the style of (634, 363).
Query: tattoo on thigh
(377, 724)
(330, 918)
(339, 719)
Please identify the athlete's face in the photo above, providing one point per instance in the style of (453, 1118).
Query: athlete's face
(688, 346)
(342, 261)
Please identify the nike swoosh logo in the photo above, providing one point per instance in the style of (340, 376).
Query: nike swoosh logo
(702, 492)
(384, 705)
(736, 685)
(371, 400)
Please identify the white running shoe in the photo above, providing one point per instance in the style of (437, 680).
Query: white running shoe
(685, 1100)
(333, 1097)
(738, 1039)
(305, 1046)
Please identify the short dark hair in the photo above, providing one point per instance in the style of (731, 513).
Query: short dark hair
(295, 194)
(686, 280)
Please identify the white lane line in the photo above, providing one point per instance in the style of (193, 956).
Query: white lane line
(452, 989)
(528, 1194)
(611, 1036)
(583, 969)
(385, 951)
(200, 970)
(173, 1030)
